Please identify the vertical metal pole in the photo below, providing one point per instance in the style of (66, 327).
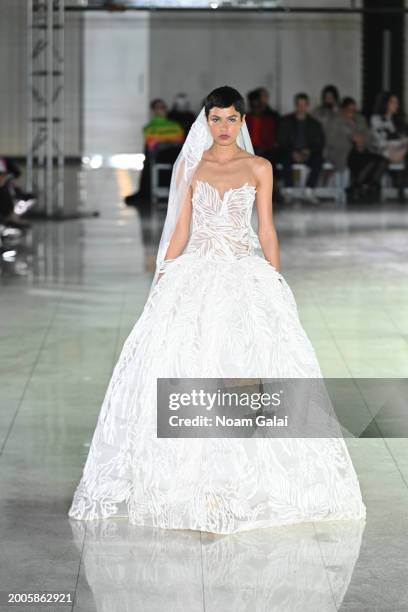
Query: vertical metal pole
(39, 97)
(61, 107)
(45, 103)
(29, 160)
(386, 65)
(278, 64)
(49, 109)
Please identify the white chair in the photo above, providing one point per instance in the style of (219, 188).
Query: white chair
(158, 190)
(337, 184)
(387, 189)
(335, 189)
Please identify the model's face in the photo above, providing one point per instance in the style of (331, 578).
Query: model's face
(224, 124)
(393, 105)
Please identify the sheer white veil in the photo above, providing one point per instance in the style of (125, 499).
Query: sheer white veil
(198, 140)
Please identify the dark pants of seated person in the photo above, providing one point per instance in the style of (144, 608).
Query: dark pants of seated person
(366, 168)
(400, 178)
(314, 162)
(6, 201)
(273, 156)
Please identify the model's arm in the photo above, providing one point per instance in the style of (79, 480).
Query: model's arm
(266, 228)
(181, 233)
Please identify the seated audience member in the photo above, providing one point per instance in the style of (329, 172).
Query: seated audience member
(8, 216)
(301, 139)
(348, 141)
(263, 122)
(329, 105)
(265, 106)
(6, 201)
(181, 113)
(390, 136)
(15, 174)
(160, 129)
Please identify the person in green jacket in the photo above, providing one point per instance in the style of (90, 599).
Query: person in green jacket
(159, 130)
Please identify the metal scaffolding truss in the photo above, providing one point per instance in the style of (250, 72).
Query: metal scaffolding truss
(45, 104)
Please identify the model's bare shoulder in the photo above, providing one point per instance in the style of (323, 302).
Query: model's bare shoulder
(261, 166)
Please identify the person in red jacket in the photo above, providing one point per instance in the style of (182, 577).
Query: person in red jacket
(263, 124)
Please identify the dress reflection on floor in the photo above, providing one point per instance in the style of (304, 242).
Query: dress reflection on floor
(284, 569)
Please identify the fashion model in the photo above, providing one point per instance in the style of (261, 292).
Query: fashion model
(218, 307)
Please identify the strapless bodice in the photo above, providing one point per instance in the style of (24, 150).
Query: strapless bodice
(221, 226)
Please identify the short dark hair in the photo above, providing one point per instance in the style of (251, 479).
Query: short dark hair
(301, 96)
(381, 102)
(156, 101)
(331, 89)
(380, 108)
(347, 101)
(224, 97)
(254, 95)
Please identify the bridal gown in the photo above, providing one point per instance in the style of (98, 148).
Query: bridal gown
(219, 310)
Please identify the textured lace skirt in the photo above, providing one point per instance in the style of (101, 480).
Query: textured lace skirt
(212, 317)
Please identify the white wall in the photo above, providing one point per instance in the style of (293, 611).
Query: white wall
(316, 50)
(406, 62)
(107, 115)
(12, 76)
(197, 52)
(73, 88)
(321, 3)
(131, 57)
(116, 89)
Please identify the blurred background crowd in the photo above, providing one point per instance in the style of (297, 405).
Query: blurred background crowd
(334, 138)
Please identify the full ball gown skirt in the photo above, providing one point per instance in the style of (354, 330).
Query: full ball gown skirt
(219, 310)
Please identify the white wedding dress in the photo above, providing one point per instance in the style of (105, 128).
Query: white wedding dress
(219, 310)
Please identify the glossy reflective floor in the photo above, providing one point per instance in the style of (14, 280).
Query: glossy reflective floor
(68, 302)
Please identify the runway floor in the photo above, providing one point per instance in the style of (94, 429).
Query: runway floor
(68, 303)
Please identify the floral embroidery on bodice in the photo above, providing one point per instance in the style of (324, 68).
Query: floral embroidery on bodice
(221, 226)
